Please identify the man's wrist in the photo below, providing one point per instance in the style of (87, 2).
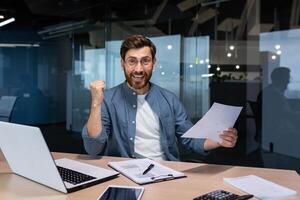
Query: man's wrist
(209, 145)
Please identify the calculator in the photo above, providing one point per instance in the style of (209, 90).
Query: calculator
(218, 195)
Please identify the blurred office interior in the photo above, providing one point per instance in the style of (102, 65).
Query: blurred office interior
(207, 51)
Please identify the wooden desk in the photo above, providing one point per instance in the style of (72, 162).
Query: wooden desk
(201, 178)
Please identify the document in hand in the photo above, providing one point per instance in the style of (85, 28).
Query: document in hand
(259, 187)
(136, 170)
(218, 118)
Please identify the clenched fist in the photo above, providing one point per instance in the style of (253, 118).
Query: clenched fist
(97, 94)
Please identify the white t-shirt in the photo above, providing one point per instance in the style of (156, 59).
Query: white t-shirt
(147, 136)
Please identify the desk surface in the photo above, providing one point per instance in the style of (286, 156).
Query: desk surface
(201, 178)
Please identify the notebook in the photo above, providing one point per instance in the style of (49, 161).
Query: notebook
(28, 155)
(143, 171)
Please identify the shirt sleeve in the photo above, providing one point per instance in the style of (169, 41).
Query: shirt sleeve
(183, 124)
(95, 146)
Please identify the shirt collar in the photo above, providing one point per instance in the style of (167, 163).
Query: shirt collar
(130, 92)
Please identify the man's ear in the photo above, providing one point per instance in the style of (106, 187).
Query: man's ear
(154, 63)
(122, 64)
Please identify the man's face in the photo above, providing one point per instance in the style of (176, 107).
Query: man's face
(138, 66)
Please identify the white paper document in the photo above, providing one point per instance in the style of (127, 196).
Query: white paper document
(218, 118)
(134, 169)
(260, 188)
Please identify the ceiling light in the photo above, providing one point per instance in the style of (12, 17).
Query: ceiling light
(191, 66)
(162, 73)
(231, 47)
(63, 29)
(208, 66)
(10, 20)
(201, 61)
(18, 45)
(229, 55)
(218, 68)
(1, 17)
(237, 67)
(277, 46)
(169, 47)
(7, 45)
(206, 75)
(207, 60)
(273, 57)
(278, 52)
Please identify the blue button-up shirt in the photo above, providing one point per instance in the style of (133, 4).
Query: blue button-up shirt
(118, 112)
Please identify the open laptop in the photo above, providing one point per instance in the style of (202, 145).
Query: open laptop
(28, 155)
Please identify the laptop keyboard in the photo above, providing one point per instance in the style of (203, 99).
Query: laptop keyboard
(73, 177)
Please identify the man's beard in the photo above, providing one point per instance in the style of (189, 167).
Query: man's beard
(138, 84)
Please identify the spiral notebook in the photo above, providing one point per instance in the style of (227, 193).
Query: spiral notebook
(135, 170)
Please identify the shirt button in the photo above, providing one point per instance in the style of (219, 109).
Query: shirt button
(131, 138)
(133, 122)
(133, 106)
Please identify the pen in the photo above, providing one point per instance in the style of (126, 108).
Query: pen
(148, 169)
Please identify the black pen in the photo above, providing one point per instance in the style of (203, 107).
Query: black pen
(148, 169)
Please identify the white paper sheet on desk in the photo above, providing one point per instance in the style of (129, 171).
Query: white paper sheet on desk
(260, 188)
(218, 118)
(134, 169)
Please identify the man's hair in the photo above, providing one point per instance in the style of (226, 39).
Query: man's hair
(280, 75)
(136, 42)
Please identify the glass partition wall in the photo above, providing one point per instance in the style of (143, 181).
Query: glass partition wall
(207, 51)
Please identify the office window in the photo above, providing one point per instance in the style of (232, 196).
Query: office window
(196, 77)
(282, 48)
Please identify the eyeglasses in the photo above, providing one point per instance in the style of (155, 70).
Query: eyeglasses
(132, 61)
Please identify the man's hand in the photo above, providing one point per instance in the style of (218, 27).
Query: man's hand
(97, 88)
(228, 139)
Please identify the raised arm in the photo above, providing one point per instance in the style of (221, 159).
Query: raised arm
(94, 123)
